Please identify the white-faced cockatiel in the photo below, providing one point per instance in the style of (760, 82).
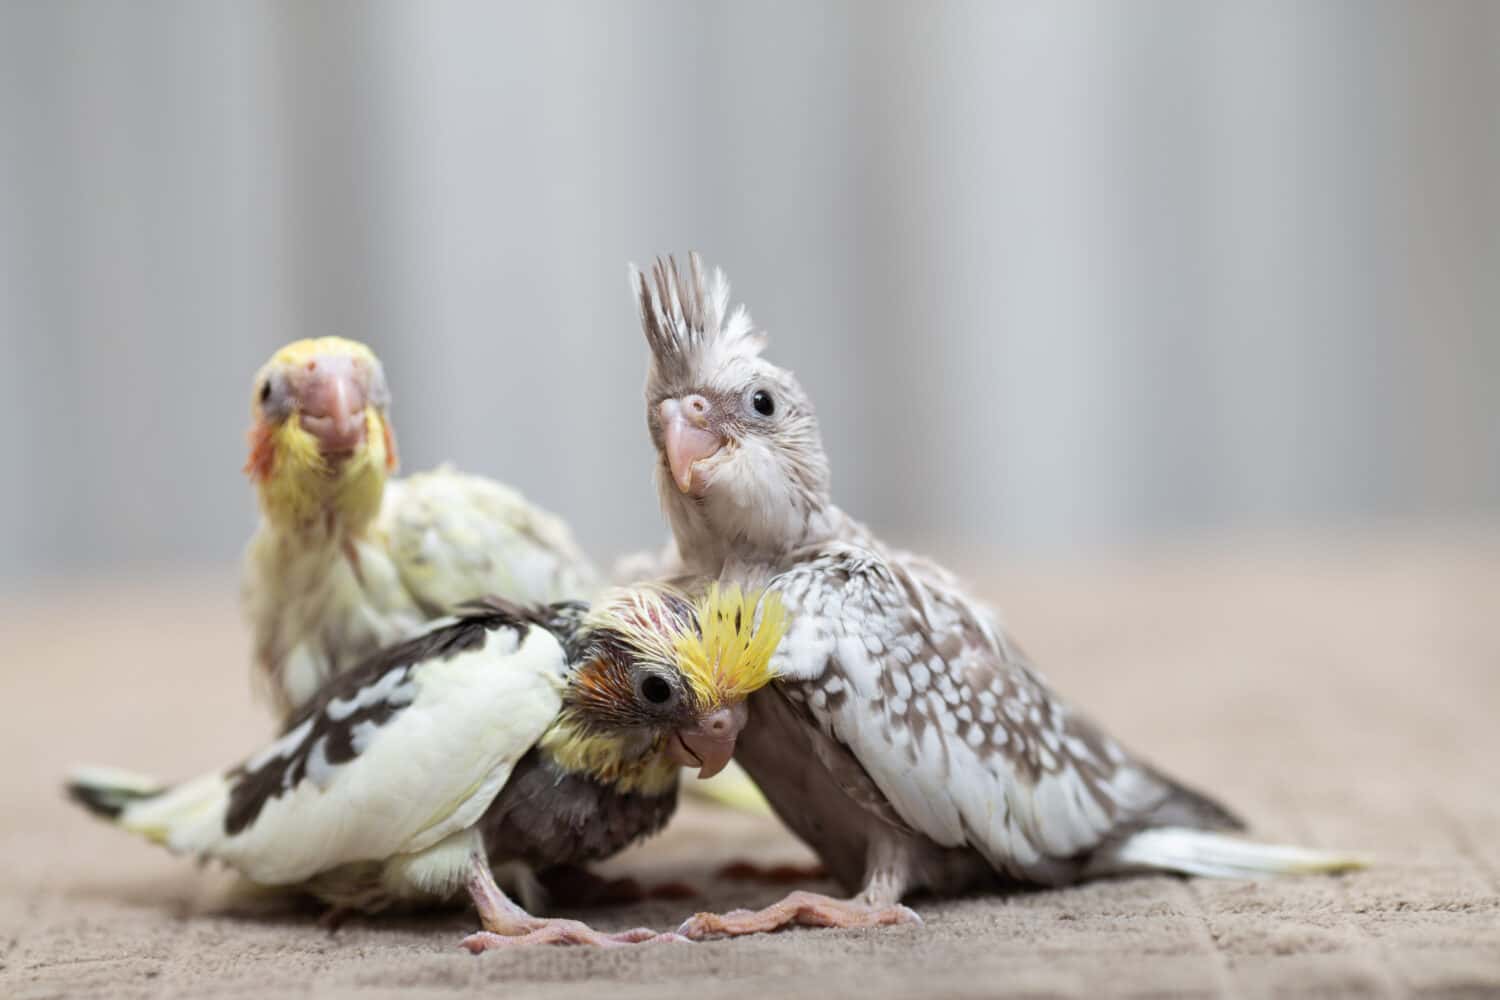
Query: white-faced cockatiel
(346, 559)
(503, 735)
(906, 738)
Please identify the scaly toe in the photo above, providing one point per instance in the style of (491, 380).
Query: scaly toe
(804, 909)
(905, 915)
(482, 941)
(645, 935)
(567, 932)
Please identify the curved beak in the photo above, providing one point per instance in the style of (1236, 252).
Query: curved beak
(331, 401)
(686, 437)
(708, 745)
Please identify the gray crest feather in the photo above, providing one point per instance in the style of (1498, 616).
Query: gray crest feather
(686, 316)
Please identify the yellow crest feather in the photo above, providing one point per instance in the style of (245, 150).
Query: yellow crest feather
(648, 616)
(299, 351)
(729, 656)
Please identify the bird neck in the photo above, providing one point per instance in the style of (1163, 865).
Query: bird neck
(626, 762)
(719, 530)
(309, 505)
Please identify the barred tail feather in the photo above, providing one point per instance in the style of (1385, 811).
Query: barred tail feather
(106, 792)
(1216, 855)
(186, 818)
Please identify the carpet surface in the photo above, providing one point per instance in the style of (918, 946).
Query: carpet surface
(1338, 694)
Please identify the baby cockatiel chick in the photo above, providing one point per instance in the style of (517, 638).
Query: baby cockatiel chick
(500, 736)
(907, 739)
(347, 560)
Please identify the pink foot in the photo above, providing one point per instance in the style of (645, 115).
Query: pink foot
(807, 909)
(554, 931)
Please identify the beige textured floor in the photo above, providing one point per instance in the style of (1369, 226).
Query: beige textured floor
(1338, 694)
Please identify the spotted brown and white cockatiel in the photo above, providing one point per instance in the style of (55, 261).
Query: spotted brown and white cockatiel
(907, 739)
(347, 560)
(502, 736)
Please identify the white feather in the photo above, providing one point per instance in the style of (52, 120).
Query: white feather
(427, 774)
(320, 606)
(1216, 855)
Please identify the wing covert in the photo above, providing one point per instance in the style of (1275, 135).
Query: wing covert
(949, 720)
(396, 756)
(454, 537)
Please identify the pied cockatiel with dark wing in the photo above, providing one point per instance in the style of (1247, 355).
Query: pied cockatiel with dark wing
(347, 559)
(907, 739)
(503, 736)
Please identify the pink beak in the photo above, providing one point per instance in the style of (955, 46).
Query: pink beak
(331, 401)
(709, 745)
(687, 437)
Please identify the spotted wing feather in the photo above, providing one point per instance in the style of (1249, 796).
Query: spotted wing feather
(402, 752)
(962, 737)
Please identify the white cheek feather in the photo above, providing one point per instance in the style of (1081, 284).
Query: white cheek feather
(750, 497)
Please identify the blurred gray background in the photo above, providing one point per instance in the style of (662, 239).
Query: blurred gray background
(1058, 275)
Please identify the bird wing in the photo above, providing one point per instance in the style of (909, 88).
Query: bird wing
(964, 739)
(408, 748)
(455, 537)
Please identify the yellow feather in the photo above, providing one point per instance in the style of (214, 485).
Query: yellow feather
(645, 615)
(302, 487)
(729, 656)
(602, 757)
(301, 351)
(297, 486)
(721, 650)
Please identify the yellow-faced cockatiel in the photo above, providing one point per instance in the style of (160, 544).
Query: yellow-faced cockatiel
(346, 559)
(538, 737)
(906, 739)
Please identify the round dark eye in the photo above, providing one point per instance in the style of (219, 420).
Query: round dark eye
(656, 690)
(763, 403)
(265, 391)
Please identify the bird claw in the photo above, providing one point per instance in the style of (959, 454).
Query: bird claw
(807, 909)
(566, 932)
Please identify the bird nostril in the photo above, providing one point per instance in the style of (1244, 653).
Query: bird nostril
(699, 404)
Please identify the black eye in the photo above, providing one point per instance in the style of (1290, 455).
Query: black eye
(763, 403)
(656, 690)
(265, 391)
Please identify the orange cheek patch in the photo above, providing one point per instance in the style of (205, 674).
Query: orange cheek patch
(262, 458)
(601, 684)
(390, 445)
